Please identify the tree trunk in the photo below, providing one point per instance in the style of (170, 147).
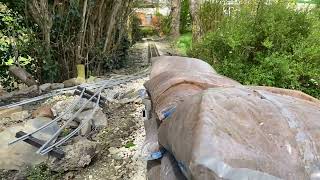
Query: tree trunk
(122, 24)
(81, 33)
(39, 10)
(175, 11)
(196, 29)
(111, 24)
(23, 75)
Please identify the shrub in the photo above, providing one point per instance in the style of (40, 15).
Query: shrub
(211, 14)
(164, 23)
(184, 43)
(14, 44)
(136, 33)
(148, 31)
(42, 172)
(273, 46)
(185, 17)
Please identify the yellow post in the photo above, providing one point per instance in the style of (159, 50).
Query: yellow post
(81, 73)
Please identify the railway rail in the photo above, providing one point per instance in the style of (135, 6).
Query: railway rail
(50, 144)
(152, 51)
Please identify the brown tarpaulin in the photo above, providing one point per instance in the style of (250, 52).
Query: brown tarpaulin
(175, 63)
(240, 133)
(223, 130)
(169, 88)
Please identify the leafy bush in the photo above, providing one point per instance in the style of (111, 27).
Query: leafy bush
(19, 41)
(14, 44)
(210, 15)
(47, 38)
(136, 32)
(148, 31)
(184, 43)
(42, 172)
(164, 23)
(185, 17)
(273, 46)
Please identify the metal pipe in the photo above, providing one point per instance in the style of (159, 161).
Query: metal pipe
(43, 151)
(63, 140)
(56, 134)
(71, 107)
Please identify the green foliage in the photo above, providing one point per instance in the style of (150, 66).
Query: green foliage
(164, 23)
(41, 172)
(16, 5)
(274, 46)
(129, 144)
(117, 59)
(148, 31)
(210, 15)
(14, 44)
(136, 32)
(185, 17)
(183, 44)
(47, 51)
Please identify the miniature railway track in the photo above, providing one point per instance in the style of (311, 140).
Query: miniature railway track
(152, 51)
(51, 145)
(119, 78)
(100, 86)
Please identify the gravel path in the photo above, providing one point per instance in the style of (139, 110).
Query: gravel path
(121, 142)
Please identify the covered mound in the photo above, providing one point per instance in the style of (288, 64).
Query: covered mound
(171, 80)
(220, 129)
(240, 133)
(162, 64)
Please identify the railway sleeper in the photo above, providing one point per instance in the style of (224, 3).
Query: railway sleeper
(58, 153)
(88, 94)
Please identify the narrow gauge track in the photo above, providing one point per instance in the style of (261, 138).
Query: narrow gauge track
(100, 86)
(152, 51)
(64, 91)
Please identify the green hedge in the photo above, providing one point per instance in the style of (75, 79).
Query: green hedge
(274, 46)
(183, 43)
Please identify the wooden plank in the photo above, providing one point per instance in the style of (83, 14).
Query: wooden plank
(38, 143)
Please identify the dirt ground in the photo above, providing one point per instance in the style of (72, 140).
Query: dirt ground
(121, 144)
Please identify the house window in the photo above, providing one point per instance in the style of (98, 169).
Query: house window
(149, 19)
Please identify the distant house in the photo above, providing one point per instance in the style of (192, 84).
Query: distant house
(147, 10)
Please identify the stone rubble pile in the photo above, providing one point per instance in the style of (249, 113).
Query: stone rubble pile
(80, 150)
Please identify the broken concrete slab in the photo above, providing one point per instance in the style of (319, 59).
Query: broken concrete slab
(45, 87)
(57, 86)
(71, 82)
(78, 155)
(73, 124)
(60, 106)
(86, 129)
(27, 92)
(30, 91)
(7, 112)
(99, 119)
(43, 111)
(21, 154)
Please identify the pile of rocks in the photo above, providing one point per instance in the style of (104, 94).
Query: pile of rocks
(81, 149)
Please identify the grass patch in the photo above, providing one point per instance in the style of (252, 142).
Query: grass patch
(129, 144)
(183, 43)
(42, 172)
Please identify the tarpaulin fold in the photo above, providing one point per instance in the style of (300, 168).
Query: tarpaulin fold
(220, 129)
